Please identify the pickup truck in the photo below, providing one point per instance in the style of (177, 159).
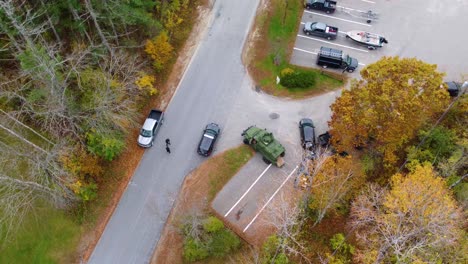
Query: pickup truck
(151, 126)
(264, 142)
(328, 6)
(320, 30)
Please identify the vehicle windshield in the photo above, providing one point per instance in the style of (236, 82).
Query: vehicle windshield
(348, 60)
(206, 142)
(145, 133)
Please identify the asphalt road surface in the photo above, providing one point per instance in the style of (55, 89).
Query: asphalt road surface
(216, 88)
(430, 30)
(206, 94)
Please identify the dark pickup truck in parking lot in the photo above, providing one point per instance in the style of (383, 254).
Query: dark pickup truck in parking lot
(327, 6)
(320, 30)
(151, 126)
(333, 58)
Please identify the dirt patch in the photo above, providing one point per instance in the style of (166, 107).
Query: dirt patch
(127, 163)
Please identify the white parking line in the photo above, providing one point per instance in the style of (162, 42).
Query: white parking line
(344, 7)
(318, 14)
(242, 197)
(367, 1)
(269, 200)
(306, 51)
(315, 53)
(332, 43)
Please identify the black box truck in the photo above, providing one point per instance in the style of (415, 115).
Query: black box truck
(333, 58)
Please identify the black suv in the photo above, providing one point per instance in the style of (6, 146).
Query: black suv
(307, 130)
(210, 134)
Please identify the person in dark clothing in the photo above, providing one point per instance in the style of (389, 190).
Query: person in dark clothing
(168, 142)
(168, 149)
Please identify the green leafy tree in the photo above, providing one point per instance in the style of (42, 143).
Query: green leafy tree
(436, 145)
(105, 145)
(388, 106)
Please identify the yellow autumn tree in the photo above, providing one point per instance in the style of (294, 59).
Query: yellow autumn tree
(416, 220)
(146, 83)
(333, 179)
(388, 106)
(160, 50)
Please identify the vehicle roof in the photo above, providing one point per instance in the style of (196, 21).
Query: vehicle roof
(213, 126)
(331, 52)
(320, 25)
(307, 121)
(453, 86)
(206, 142)
(309, 133)
(149, 124)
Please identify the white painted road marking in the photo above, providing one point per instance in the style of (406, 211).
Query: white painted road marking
(269, 200)
(306, 51)
(318, 14)
(315, 53)
(347, 8)
(332, 43)
(242, 197)
(367, 1)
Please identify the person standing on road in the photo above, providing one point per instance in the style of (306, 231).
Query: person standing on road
(168, 143)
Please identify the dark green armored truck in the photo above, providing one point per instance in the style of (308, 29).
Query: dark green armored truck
(264, 142)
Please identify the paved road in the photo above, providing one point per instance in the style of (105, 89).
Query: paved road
(409, 27)
(206, 94)
(431, 30)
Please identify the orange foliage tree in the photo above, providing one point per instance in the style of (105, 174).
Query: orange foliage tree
(388, 106)
(416, 221)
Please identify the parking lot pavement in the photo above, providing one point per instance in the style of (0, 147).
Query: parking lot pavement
(428, 30)
(241, 200)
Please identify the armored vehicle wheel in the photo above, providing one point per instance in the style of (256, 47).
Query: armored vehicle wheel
(282, 154)
(266, 160)
(246, 141)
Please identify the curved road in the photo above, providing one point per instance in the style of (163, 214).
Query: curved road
(207, 93)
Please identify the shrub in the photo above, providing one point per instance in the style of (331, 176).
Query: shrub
(270, 254)
(343, 251)
(286, 71)
(106, 146)
(86, 192)
(212, 224)
(223, 242)
(146, 83)
(194, 250)
(298, 79)
(211, 239)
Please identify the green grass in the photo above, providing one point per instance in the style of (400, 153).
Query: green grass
(48, 236)
(281, 26)
(227, 165)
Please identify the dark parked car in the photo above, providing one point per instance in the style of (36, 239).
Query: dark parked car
(307, 130)
(324, 139)
(320, 29)
(327, 6)
(455, 88)
(210, 134)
